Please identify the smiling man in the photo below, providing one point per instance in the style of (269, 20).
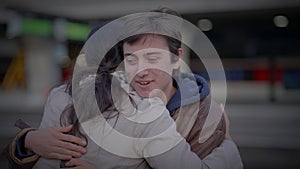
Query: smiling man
(152, 59)
(148, 64)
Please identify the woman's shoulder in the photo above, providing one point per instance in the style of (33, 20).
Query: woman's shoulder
(57, 100)
(59, 90)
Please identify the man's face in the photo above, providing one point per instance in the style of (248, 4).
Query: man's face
(148, 65)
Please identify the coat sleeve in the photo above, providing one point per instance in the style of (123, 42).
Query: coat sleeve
(14, 158)
(55, 103)
(215, 151)
(225, 156)
(180, 156)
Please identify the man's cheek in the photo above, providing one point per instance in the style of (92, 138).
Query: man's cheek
(163, 69)
(163, 73)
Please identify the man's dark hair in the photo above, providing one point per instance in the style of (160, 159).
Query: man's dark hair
(157, 25)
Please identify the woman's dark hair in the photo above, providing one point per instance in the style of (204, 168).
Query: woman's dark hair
(103, 81)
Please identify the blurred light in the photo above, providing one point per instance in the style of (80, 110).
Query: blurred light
(281, 21)
(14, 26)
(205, 24)
(59, 29)
(77, 31)
(60, 53)
(35, 26)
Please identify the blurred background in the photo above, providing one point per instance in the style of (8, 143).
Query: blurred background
(257, 41)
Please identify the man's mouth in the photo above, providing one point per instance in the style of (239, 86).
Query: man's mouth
(143, 83)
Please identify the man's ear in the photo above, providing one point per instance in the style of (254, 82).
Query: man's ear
(176, 65)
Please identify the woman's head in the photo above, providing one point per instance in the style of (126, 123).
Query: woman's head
(102, 88)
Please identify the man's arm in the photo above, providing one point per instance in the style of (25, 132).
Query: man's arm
(18, 157)
(47, 141)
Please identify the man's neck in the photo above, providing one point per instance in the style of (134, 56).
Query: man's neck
(170, 94)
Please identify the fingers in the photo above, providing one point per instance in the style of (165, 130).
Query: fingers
(54, 143)
(63, 151)
(64, 129)
(69, 138)
(72, 147)
(72, 139)
(160, 94)
(66, 146)
(74, 162)
(80, 164)
(66, 152)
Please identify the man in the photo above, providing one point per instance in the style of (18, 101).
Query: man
(150, 62)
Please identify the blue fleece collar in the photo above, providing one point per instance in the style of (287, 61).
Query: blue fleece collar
(190, 89)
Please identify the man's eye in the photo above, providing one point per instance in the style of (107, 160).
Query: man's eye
(131, 60)
(153, 59)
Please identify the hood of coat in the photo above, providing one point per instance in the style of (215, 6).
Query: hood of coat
(190, 89)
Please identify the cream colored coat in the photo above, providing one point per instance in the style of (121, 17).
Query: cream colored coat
(167, 150)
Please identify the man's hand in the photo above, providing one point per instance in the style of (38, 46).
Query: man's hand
(54, 143)
(76, 163)
(227, 135)
(159, 93)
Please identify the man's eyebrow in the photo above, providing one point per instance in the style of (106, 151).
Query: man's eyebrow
(129, 54)
(153, 53)
(148, 53)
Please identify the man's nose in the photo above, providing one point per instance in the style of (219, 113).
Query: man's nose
(142, 69)
(143, 73)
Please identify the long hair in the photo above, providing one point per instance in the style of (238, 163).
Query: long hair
(103, 95)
